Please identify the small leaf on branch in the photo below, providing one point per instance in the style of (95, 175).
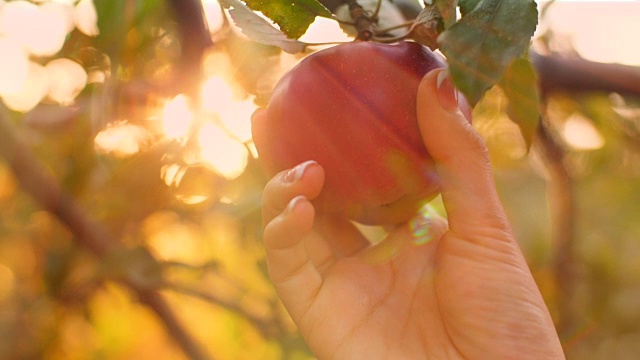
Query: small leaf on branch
(293, 16)
(259, 29)
(427, 26)
(481, 45)
(520, 85)
(447, 10)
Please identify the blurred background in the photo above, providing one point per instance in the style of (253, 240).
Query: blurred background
(130, 188)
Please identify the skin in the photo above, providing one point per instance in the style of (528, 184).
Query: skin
(433, 288)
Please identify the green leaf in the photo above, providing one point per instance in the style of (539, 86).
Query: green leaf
(520, 85)
(293, 16)
(467, 6)
(481, 45)
(260, 30)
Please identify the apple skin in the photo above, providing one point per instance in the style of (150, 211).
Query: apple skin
(352, 108)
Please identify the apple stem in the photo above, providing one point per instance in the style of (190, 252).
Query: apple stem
(364, 23)
(390, 40)
(377, 10)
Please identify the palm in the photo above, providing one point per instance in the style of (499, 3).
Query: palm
(401, 300)
(376, 310)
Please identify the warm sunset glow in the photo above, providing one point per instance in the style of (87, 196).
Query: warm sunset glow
(121, 139)
(216, 94)
(191, 185)
(172, 174)
(234, 115)
(221, 144)
(177, 118)
(170, 239)
(224, 154)
(236, 118)
(580, 133)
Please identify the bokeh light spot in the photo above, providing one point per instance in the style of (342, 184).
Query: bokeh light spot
(235, 116)
(177, 117)
(216, 94)
(224, 154)
(14, 67)
(40, 29)
(85, 17)
(121, 139)
(67, 79)
(34, 88)
(580, 133)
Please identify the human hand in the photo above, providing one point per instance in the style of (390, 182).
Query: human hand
(456, 289)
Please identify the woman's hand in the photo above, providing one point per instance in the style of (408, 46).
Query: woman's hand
(456, 289)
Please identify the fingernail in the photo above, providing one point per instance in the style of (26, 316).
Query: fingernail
(293, 203)
(420, 226)
(296, 173)
(447, 94)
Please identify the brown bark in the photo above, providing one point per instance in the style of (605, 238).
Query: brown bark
(574, 74)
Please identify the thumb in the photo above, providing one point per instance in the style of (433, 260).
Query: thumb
(460, 155)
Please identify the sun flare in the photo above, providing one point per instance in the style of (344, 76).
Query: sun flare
(226, 155)
(177, 117)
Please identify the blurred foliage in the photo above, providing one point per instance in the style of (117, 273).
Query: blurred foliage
(197, 212)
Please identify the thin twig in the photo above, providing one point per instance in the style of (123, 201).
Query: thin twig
(194, 41)
(268, 328)
(561, 199)
(154, 301)
(391, 40)
(41, 185)
(376, 12)
(363, 23)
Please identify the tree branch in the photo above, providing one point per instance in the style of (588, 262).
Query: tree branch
(561, 198)
(40, 184)
(557, 73)
(574, 76)
(194, 41)
(173, 326)
(44, 189)
(269, 328)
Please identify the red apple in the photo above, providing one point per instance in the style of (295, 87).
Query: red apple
(352, 108)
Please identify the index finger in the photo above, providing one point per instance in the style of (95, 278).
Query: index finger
(305, 179)
(461, 157)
